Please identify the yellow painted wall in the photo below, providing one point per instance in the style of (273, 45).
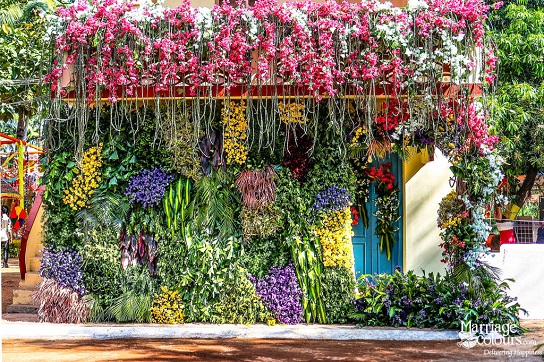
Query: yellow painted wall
(34, 242)
(425, 184)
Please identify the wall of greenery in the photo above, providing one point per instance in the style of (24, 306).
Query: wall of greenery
(223, 235)
(148, 236)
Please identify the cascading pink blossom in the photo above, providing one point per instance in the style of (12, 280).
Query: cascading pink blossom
(321, 47)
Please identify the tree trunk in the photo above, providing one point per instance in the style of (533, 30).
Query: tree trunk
(526, 186)
(22, 124)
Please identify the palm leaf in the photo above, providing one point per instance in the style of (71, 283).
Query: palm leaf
(11, 15)
(214, 205)
(104, 210)
(130, 307)
(476, 277)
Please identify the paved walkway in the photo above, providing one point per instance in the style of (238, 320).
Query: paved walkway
(27, 330)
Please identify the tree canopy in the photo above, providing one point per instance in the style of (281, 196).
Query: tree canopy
(518, 104)
(23, 62)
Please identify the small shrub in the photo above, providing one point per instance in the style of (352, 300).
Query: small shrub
(427, 301)
(134, 301)
(263, 222)
(102, 272)
(167, 307)
(261, 254)
(14, 248)
(338, 289)
(239, 302)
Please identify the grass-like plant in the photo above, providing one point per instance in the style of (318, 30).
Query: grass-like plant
(60, 305)
(258, 187)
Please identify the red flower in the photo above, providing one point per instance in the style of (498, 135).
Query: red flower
(355, 216)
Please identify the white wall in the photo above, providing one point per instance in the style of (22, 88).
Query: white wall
(423, 192)
(523, 263)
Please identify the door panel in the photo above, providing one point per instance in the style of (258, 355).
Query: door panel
(366, 248)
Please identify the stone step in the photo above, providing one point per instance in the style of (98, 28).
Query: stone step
(31, 280)
(39, 248)
(22, 296)
(35, 263)
(23, 309)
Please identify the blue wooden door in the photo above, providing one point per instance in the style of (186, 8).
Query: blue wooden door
(366, 245)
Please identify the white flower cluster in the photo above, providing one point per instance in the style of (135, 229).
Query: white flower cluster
(249, 18)
(417, 5)
(301, 18)
(204, 24)
(55, 26)
(495, 162)
(388, 208)
(459, 63)
(392, 31)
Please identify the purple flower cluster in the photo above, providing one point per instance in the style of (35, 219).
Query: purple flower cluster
(64, 266)
(148, 186)
(281, 294)
(332, 198)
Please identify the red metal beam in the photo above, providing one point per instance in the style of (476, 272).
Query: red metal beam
(29, 224)
(147, 92)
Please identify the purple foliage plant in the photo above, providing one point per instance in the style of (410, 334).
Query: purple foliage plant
(148, 186)
(333, 198)
(64, 266)
(281, 294)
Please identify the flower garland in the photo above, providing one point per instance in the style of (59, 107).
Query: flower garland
(87, 180)
(387, 203)
(457, 232)
(233, 118)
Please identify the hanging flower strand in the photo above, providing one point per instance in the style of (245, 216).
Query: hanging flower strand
(387, 202)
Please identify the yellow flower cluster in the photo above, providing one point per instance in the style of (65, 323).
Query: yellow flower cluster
(87, 179)
(233, 117)
(450, 211)
(448, 126)
(456, 221)
(335, 237)
(359, 131)
(167, 307)
(291, 113)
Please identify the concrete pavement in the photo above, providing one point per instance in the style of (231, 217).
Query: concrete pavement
(27, 330)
